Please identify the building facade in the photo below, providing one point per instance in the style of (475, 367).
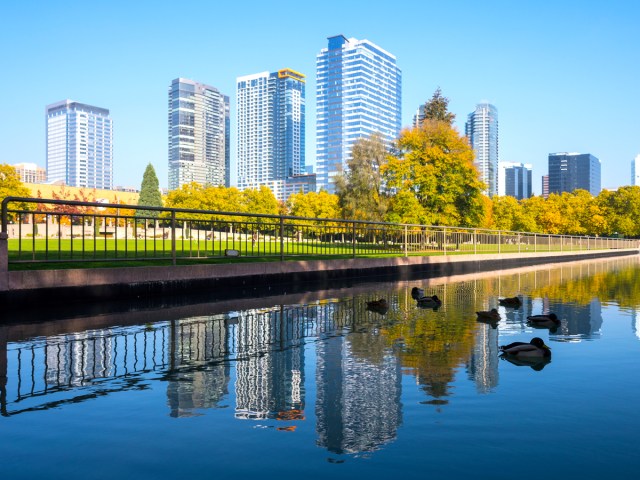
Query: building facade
(545, 186)
(31, 173)
(359, 89)
(481, 129)
(572, 171)
(514, 180)
(271, 128)
(79, 145)
(635, 171)
(199, 135)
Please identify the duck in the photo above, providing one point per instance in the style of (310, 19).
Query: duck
(549, 320)
(432, 301)
(513, 302)
(380, 306)
(417, 293)
(536, 348)
(490, 315)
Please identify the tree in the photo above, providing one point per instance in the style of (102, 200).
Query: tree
(437, 108)
(359, 188)
(12, 186)
(434, 164)
(149, 193)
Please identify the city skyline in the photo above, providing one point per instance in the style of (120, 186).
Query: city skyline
(541, 109)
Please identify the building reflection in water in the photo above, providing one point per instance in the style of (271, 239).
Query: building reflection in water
(270, 364)
(581, 321)
(358, 382)
(483, 364)
(199, 375)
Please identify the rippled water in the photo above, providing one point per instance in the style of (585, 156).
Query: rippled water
(317, 386)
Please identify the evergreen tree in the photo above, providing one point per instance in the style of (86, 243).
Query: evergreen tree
(149, 193)
(437, 108)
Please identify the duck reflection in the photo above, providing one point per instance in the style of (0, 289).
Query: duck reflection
(536, 364)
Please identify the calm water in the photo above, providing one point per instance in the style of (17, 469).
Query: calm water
(317, 386)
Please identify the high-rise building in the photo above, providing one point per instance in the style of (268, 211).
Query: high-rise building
(481, 129)
(198, 135)
(545, 186)
(271, 127)
(358, 94)
(79, 145)
(572, 171)
(635, 171)
(31, 173)
(514, 180)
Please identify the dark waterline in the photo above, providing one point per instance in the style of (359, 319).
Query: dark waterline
(314, 383)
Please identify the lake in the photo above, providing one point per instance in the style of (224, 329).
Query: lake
(319, 385)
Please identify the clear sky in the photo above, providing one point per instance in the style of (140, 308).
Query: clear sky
(563, 74)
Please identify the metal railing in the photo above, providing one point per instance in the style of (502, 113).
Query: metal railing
(47, 231)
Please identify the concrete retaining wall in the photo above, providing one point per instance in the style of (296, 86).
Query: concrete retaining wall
(48, 287)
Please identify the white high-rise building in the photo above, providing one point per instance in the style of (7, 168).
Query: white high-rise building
(358, 94)
(79, 145)
(271, 128)
(635, 171)
(482, 131)
(198, 135)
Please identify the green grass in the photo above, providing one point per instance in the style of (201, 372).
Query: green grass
(40, 254)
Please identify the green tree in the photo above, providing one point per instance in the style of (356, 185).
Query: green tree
(359, 187)
(434, 164)
(438, 108)
(622, 210)
(12, 186)
(149, 193)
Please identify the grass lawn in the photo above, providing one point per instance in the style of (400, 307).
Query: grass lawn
(41, 254)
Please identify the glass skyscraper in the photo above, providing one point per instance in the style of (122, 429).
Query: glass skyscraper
(79, 145)
(271, 127)
(482, 131)
(635, 171)
(514, 180)
(572, 171)
(358, 94)
(198, 135)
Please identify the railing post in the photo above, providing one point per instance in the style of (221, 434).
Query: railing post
(353, 240)
(4, 261)
(535, 243)
(499, 241)
(444, 240)
(173, 238)
(475, 242)
(281, 239)
(519, 242)
(549, 242)
(406, 247)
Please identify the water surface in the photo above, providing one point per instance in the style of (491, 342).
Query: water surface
(317, 385)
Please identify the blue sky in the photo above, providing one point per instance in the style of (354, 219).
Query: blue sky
(564, 74)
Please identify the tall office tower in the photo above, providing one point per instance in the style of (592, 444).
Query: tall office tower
(198, 135)
(481, 129)
(635, 171)
(271, 127)
(419, 116)
(358, 94)
(79, 145)
(545, 186)
(572, 171)
(514, 179)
